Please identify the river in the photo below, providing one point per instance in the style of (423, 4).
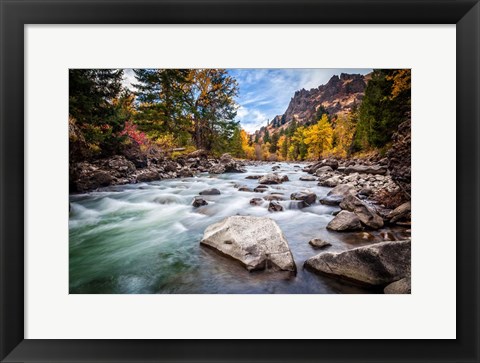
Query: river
(144, 238)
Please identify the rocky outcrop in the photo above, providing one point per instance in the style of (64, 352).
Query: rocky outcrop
(345, 221)
(256, 242)
(132, 165)
(378, 264)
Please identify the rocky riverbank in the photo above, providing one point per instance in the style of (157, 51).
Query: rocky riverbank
(134, 167)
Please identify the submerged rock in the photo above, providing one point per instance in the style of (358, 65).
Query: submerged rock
(378, 264)
(256, 201)
(261, 188)
(257, 242)
(212, 191)
(319, 243)
(273, 196)
(244, 188)
(307, 178)
(345, 221)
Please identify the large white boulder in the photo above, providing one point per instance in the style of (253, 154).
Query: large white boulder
(257, 242)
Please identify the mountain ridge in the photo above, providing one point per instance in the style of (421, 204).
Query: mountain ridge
(338, 96)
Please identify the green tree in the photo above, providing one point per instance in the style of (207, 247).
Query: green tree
(95, 106)
(380, 112)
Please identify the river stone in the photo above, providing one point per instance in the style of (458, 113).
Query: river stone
(323, 169)
(402, 286)
(244, 188)
(345, 221)
(365, 213)
(308, 198)
(378, 264)
(275, 207)
(212, 191)
(401, 212)
(256, 201)
(319, 243)
(307, 178)
(261, 188)
(253, 177)
(330, 182)
(257, 242)
(336, 195)
(272, 179)
(198, 202)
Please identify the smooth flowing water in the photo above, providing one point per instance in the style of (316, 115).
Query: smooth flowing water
(144, 238)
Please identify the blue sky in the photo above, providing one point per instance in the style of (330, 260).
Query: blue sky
(265, 93)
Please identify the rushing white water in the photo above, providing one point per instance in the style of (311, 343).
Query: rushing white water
(144, 238)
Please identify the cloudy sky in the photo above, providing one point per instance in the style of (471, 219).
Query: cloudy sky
(265, 93)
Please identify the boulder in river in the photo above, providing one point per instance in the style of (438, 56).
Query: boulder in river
(198, 202)
(256, 242)
(275, 207)
(365, 213)
(323, 169)
(337, 194)
(212, 191)
(345, 221)
(308, 198)
(253, 176)
(272, 179)
(319, 243)
(378, 264)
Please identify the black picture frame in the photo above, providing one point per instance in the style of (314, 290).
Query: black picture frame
(15, 14)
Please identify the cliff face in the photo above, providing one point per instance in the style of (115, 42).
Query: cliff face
(339, 95)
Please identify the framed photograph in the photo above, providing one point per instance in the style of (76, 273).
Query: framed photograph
(240, 181)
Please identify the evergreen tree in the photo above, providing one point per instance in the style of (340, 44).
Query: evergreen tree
(266, 136)
(94, 105)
